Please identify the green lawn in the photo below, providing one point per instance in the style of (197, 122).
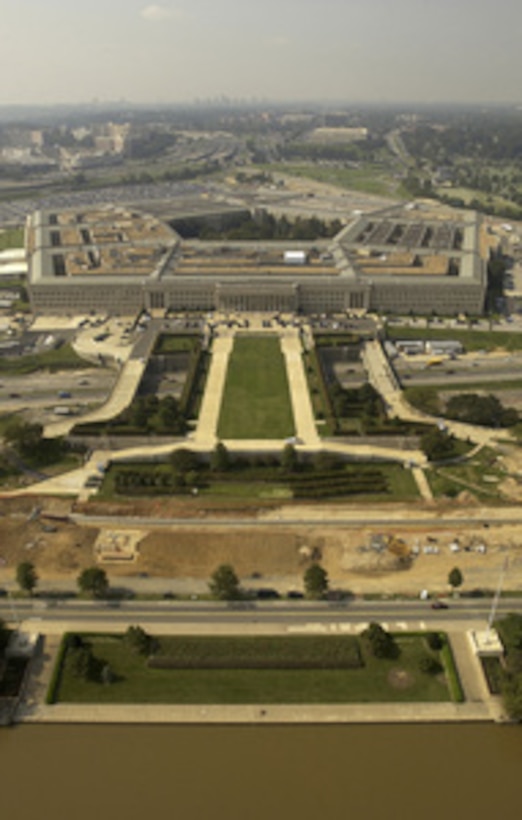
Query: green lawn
(377, 681)
(256, 483)
(171, 343)
(370, 178)
(256, 400)
(63, 358)
(470, 339)
(480, 475)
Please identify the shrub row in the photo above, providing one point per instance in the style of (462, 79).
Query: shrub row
(199, 360)
(370, 474)
(279, 652)
(314, 362)
(54, 684)
(349, 483)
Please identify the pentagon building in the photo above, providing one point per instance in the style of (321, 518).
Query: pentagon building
(413, 258)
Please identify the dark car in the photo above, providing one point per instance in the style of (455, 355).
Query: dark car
(439, 605)
(266, 594)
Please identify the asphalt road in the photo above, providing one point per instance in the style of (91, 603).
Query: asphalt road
(397, 614)
(353, 521)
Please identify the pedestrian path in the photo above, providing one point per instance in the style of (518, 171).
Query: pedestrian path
(383, 378)
(122, 395)
(422, 483)
(305, 426)
(258, 713)
(206, 430)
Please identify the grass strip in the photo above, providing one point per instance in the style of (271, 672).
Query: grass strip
(56, 677)
(256, 401)
(452, 675)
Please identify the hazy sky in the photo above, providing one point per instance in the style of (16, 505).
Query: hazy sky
(55, 51)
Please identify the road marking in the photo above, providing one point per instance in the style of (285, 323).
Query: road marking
(422, 624)
(402, 625)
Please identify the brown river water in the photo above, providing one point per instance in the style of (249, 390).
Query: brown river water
(199, 773)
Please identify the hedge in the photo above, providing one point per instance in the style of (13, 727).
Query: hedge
(54, 684)
(280, 652)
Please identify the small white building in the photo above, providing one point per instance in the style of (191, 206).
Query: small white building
(295, 257)
(444, 347)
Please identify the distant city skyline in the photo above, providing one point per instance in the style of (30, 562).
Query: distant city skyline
(381, 51)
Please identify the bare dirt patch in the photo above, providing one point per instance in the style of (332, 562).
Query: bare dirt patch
(400, 679)
(37, 530)
(193, 553)
(274, 554)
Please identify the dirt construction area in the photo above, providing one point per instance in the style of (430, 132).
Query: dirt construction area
(371, 559)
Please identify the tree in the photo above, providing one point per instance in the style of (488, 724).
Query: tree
(82, 663)
(224, 583)
(289, 459)
(315, 581)
(24, 436)
(380, 642)
(437, 444)
(184, 460)
(219, 459)
(93, 581)
(455, 578)
(429, 664)
(26, 576)
(138, 640)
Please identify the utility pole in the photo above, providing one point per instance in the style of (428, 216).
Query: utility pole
(494, 605)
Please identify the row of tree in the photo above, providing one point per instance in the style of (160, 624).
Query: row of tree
(91, 581)
(224, 583)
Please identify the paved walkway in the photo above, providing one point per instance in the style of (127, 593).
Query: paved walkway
(422, 483)
(258, 713)
(121, 396)
(382, 377)
(472, 677)
(206, 430)
(305, 426)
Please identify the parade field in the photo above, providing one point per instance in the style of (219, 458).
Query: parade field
(256, 401)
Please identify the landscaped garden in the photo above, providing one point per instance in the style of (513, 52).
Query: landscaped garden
(353, 411)
(256, 400)
(261, 477)
(148, 414)
(371, 668)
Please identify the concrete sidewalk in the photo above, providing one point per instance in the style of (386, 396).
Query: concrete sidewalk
(256, 713)
(305, 426)
(206, 430)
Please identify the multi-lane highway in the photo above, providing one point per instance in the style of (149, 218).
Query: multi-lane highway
(350, 615)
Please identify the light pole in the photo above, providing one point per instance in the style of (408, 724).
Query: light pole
(494, 605)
